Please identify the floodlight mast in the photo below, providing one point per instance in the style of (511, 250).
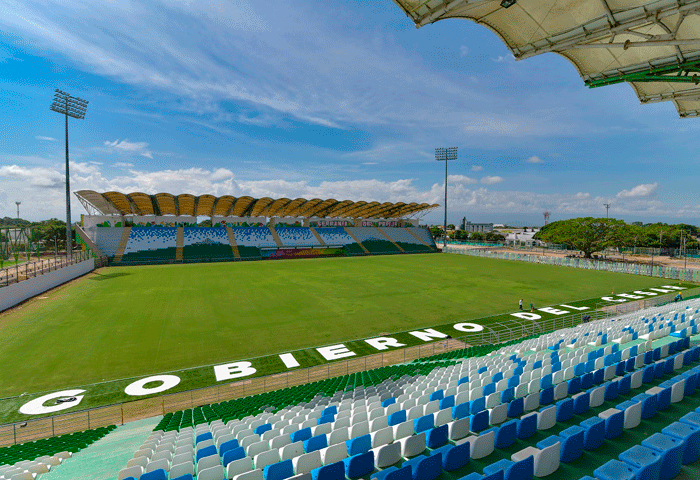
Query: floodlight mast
(444, 155)
(70, 106)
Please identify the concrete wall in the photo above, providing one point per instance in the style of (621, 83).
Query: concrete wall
(19, 292)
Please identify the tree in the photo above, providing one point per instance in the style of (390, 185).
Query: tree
(586, 234)
(461, 235)
(494, 237)
(450, 226)
(436, 232)
(477, 237)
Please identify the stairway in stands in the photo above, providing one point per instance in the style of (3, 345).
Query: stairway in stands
(409, 230)
(122, 245)
(179, 243)
(390, 239)
(232, 241)
(104, 458)
(278, 241)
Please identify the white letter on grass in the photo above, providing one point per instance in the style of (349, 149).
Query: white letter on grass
(527, 315)
(627, 295)
(468, 327)
(383, 343)
(289, 360)
(553, 310)
(138, 388)
(335, 352)
(574, 308)
(229, 371)
(428, 334)
(36, 406)
(610, 299)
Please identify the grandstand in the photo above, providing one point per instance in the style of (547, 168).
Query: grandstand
(141, 229)
(616, 398)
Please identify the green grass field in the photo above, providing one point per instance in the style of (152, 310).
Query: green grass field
(129, 321)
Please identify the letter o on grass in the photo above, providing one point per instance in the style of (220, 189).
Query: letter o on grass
(138, 388)
(468, 327)
(36, 406)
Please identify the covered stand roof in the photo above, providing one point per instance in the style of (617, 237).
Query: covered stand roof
(654, 46)
(117, 203)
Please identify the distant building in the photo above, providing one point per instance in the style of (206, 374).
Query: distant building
(476, 227)
(639, 224)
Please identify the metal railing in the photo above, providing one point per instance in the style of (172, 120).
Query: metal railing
(23, 271)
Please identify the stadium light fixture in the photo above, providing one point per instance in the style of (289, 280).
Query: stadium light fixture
(70, 106)
(507, 3)
(444, 155)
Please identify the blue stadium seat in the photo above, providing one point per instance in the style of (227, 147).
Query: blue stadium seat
(385, 403)
(671, 450)
(477, 405)
(315, 443)
(436, 437)
(358, 445)
(393, 473)
(181, 477)
(648, 404)
(425, 468)
(522, 470)
(423, 423)
(330, 418)
(624, 385)
(479, 422)
(515, 408)
(574, 385)
(453, 456)
(205, 452)
(226, 446)
(460, 411)
(279, 470)
(262, 429)
(333, 410)
(547, 396)
(333, 471)
(614, 470)
(301, 435)
(565, 409)
(158, 474)
(232, 455)
(506, 434)
(397, 417)
(447, 402)
(437, 395)
(359, 465)
(645, 462)
(203, 436)
(690, 434)
(586, 381)
(527, 426)
(581, 403)
(594, 433)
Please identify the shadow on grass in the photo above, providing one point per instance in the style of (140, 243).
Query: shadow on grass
(107, 276)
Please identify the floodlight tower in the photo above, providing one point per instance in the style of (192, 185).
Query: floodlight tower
(546, 217)
(18, 204)
(607, 207)
(75, 107)
(444, 155)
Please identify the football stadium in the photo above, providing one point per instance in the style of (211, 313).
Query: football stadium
(324, 339)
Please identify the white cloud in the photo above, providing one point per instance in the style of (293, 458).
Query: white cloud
(33, 176)
(463, 50)
(644, 190)
(491, 180)
(477, 168)
(534, 159)
(369, 163)
(125, 146)
(46, 139)
(461, 179)
(502, 58)
(123, 165)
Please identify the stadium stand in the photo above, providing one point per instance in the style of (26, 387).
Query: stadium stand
(533, 407)
(34, 458)
(373, 240)
(297, 237)
(150, 245)
(211, 244)
(108, 239)
(405, 240)
(157, 244)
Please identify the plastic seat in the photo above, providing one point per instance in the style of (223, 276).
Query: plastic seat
(413, 446)
(594, 433)
(498, 414)
(506, 434)
(334, 453)
(565, 410)
(453, 456)
(359, 445)
(597, 397)
(546, 460)
(333, 471)
(359, 465)
(671, 450)
(157, 474)
(648, 404)
(277, 471)
(208, 462)
(521, 470)
(458, 429)
(292, 450)
(571, 443)
(482, 445)
(213, 473)
(479, 421)
(387, 455)
(307, 462)
(614, 470)
(527, 426)
(690, 435)
(393, 473)
(437, 437)
(403, 430)
(546, 418)
(238, 467)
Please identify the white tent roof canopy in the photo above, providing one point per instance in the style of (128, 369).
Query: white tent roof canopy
(654, 46)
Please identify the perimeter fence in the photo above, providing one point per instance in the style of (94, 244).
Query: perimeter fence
(660, 271)
(34, 268)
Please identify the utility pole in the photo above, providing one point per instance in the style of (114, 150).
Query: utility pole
(75, 107)
(18, 204)
(607, 207)
(444, 155)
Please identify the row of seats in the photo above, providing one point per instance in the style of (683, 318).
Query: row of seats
(313, 439)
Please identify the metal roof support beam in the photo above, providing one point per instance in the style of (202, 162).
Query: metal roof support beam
(594, 30)
(629, 44)
(668, 74)
(693, 94)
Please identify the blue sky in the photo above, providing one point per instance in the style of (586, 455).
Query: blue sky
(334, 99)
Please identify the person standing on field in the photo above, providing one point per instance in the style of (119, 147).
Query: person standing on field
(520, 304)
